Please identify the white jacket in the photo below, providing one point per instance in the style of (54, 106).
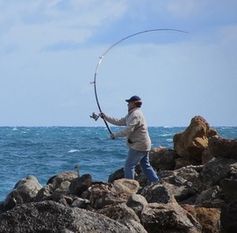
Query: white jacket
(136, 129)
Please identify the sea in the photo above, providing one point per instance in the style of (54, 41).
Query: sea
(46, 151)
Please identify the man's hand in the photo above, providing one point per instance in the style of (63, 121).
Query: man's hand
(102, 115)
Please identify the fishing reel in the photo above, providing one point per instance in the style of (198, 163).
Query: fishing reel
(95, 116)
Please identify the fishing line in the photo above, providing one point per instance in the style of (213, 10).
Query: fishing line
(94, 115)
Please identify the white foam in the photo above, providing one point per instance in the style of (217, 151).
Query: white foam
(73, 151)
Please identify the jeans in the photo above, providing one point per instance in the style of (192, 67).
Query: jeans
(135, 156)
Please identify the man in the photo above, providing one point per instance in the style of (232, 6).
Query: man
(138, 139)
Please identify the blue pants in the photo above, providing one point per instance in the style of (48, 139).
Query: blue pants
(134, 157)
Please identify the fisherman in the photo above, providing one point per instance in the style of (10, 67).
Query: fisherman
(138, 139)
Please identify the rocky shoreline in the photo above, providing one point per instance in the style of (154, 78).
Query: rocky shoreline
(197, 193)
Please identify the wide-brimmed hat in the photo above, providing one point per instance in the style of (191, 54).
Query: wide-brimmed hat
(134, 98)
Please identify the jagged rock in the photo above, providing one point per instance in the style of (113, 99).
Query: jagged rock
(168, 218)
(81, 184)
(211, 198)
(221, 147)
(52, 217)
(162, 159)
(160, 193)
(125, 215)
(137, 203)
(127, 186)
(229, 217)
(216, 170)
(186, 182)
(191, 143)
(25, 190)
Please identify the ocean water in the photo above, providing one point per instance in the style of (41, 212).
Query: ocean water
(47, 151)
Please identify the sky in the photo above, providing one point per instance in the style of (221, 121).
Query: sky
(49, 51)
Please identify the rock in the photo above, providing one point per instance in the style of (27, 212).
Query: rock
(221, 147)
(125, 215)
(80, 203)
(62, 177)
(102, 195)
(210, 198)
(186, 183)
(127, 186)
(215, 170)
(168, 218)
(81, 184)
(162, 159)
(229, 189)
(119, 174)
(137, 202)
(24, 191)
(209, 218)
(229, 217)
(160, 193)
(191, 143)
(50, 216)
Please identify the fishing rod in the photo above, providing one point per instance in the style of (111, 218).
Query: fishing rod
(94, 115)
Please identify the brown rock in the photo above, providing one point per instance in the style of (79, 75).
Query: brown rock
(191, 143)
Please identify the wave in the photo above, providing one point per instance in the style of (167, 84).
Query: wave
(73, 151)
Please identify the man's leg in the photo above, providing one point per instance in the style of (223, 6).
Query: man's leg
(147, 169)
(132, 160)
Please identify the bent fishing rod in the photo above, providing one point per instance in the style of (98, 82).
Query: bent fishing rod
(94, 115)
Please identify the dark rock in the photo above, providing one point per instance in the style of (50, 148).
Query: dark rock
(216, 170)
(52, 217)
(229, 217)
(119, 174)
(221, 147)
(229, 189)
(162, 159)
(160, 193)
(210, 198)
(79, 185)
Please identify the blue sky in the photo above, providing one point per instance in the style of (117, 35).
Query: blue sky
(49, 51)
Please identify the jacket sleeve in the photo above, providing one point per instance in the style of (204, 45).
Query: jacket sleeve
(132, 122)
(115, 121)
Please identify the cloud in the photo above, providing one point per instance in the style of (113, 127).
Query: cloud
(40, 24)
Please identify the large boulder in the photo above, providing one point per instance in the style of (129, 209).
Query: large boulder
(191, 143)
(53, 217)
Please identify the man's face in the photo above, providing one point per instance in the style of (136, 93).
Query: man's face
(131, 105)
